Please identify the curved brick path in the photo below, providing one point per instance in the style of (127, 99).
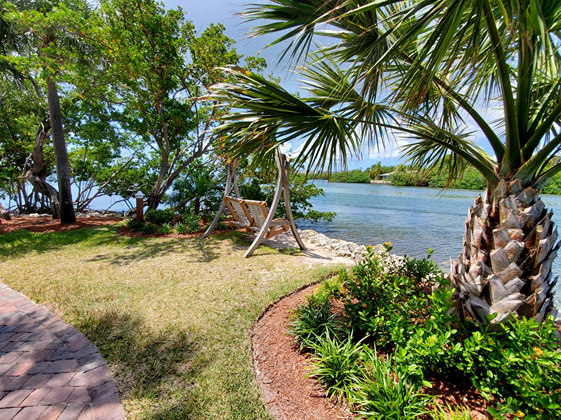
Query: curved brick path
(49, 370)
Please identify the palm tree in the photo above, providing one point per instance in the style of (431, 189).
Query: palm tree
(424, 69)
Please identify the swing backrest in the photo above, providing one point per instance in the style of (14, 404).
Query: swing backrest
(239, 211)
(258, 211)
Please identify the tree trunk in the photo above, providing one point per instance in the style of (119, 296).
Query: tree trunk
(154, 200)
(37, 173)
(505, 266)
(67, 215)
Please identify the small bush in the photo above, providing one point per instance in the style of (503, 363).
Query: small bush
(386, 394)
(191, 222)
(165, 229)
(337, 364)
(159, 217)
(422, 268)
(135, 225)
(382, 302)
(312, 321)
(149, 228)
(180, 228)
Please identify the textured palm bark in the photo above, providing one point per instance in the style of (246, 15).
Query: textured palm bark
(505, 266)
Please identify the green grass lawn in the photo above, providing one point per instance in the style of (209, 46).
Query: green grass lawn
(172, 317)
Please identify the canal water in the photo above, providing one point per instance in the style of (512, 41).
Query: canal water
(411, 218)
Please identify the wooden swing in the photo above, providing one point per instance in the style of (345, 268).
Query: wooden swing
(253, 214)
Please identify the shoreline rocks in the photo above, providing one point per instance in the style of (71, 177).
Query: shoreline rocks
(340, 247)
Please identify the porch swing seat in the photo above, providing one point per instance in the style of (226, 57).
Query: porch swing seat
(252, 214)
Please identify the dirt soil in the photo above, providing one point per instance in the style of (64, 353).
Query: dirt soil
(281, 370)
(48, 225)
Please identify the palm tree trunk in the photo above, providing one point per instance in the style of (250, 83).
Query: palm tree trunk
(505, 266)
(67, 215)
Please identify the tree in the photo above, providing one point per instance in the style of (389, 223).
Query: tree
(160, 68)
(53, 34)
(422, 68)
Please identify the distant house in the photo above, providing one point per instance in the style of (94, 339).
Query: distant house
(384, 177)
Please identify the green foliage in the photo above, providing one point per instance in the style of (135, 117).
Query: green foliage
(135, 225)
(337, 364)
(384, 393)
(521, 364)
(166, 229)
(149, 228)
(553, 186)
(449, 413)
(180, 229)
(159, 217)
(356, 176)
(421, 268)
(383, 300)
(191, 222)
(313, 320)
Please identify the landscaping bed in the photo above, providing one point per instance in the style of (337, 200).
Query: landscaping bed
(385, 338)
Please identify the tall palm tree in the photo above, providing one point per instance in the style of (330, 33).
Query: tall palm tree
(425, 69)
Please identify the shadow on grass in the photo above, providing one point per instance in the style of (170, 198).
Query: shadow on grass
(151, 365)
(23, 241)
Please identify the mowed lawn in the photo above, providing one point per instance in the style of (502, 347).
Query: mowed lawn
(171, 316)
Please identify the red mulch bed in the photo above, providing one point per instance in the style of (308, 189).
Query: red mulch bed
(281, 371)
(48, 225)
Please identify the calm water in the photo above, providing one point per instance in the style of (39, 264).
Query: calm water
(412, 219)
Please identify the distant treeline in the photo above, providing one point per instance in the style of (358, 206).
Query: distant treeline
(403, 175)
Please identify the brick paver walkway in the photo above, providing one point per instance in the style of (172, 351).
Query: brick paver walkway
(49, 370)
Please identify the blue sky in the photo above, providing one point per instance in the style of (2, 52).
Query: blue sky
(204, 12)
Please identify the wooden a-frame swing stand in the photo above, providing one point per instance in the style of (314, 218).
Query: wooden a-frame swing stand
(254, 215)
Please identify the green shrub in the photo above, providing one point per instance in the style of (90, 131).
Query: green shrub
(313, 320)
(422, 268)
(149, 228)
(385, 394)
(165, 229)
(337, 364)
(180, 228)
(191, 222)
(159, 217)
(135, 225)
(382, 302)
(521, 364)
(449, 413)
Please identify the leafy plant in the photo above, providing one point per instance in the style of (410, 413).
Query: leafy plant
(191, 222)
(422, 268)
(385, 394)
(135, 225)
(337, 364)
(449, 413)
(159, 217)
(313, 320)
(180, 228)
(521, 363)
(382, 302)
(165, 229)
(149, 228)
